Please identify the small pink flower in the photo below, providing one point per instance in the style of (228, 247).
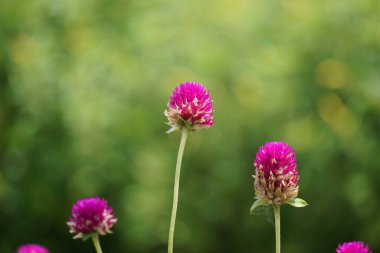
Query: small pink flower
(190, 106)
(276, 175)
(32, 248)
(91, 215)
(353, 247)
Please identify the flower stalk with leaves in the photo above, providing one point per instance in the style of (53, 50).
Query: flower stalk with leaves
(275, 181)
(189, 109)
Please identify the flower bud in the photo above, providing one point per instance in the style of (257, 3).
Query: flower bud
(190, 106)
(32, 248)
(91, 215)
(276, 175)
(353, 247)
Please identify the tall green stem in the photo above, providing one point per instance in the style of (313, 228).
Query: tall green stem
(95, 240)
(176, 189)
(277, 225)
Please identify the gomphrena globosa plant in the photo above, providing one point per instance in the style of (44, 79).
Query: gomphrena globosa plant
(189, 109)
(353, 247)
(32, 248)
(275, 180)
(91, 217)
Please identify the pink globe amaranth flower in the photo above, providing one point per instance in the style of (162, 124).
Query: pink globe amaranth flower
(190, 106)
(32, 248)
(353, 247)
(91, 215)
(276, 175)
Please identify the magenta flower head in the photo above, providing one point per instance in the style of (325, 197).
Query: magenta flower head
(91, 215)
(190, 106)
(32, 248)
(276, 175)
(353, 247)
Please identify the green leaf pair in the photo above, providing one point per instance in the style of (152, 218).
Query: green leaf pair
(296, 202)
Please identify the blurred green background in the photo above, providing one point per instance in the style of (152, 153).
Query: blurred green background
(83, 87)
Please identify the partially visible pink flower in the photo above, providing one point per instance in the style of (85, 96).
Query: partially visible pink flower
(91, 215)
(32, 248)
(190, 106)
(353, 247)
(276, 175)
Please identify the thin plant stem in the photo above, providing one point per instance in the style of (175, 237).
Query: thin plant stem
(176, 189)
(95, 240)
(277, 225)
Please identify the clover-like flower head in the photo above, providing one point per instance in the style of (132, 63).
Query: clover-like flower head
(276, 175)
(91, 215)
(32, 248)
(353, 247)
(190, 106)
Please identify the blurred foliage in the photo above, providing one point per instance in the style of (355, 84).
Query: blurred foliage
(83, 87)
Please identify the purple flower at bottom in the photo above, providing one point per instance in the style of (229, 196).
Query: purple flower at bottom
(91, 215)
(190, 106)
(353, 247)
(32, 248)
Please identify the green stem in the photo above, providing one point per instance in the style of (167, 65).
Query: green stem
(277, 225)
(176, 189)
(95, 240)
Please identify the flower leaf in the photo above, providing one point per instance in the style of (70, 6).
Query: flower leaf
(185, 122)
(86, 236)
(258, 203)
(296, 202)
